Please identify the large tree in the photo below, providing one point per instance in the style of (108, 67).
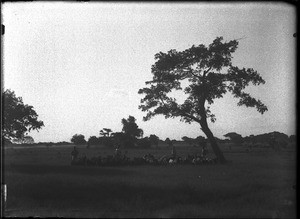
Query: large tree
(78, 139)
(131, 131)
(131, 128)
(18, 118)
(207, 73)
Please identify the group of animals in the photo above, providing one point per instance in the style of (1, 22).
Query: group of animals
(148, 159)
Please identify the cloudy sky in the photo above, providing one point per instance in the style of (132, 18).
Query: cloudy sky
(81, 64)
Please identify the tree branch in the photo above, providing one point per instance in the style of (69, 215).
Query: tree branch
(205, 72)
(197, 76)
(163, 102)
(191, 117)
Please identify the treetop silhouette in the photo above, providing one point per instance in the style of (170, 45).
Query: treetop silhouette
(18, 118)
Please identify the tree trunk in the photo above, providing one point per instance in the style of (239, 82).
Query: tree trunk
(212, 140)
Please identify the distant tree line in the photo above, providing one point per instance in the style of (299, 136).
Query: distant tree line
(55, 143)
(37, 143)
(20, 118)
(275, 140)
(131, 136)
(272, 139)
(198, 141)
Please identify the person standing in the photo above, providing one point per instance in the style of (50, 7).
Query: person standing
(117, 151)
(204, 151)
(174, 153)
(74, 154)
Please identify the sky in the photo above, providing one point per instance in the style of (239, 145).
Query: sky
(81, 64)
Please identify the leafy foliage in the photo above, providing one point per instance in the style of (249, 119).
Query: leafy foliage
(18, 118)
(237, 139)
(131, 128)
(105, 132)
(209, 73)
(105, 138)
(130, 132)
(201, 67)
(266, 137)
(27, 140)
(78, 139)
(187, 140)
(199, 141)
(93, 140)
(154, 140)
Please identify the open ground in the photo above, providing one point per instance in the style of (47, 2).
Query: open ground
(41, 182)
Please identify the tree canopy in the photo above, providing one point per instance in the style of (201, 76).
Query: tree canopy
(93, 140)
(237, 139)
(18, 118)
(130, 132)
(78, 139)
(188, 140)
(154, 140)
(105, 132)
(24, 140)
(209, 74)
(131, 128)
(169, 142)
(200, 140)
(232, 135)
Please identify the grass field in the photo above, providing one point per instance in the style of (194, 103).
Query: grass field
(41, 182)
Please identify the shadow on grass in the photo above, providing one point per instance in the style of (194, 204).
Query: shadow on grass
(108, 196)
(68, 170)
(63, 191)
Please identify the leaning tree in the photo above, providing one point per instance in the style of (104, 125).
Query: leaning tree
(207, 73)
